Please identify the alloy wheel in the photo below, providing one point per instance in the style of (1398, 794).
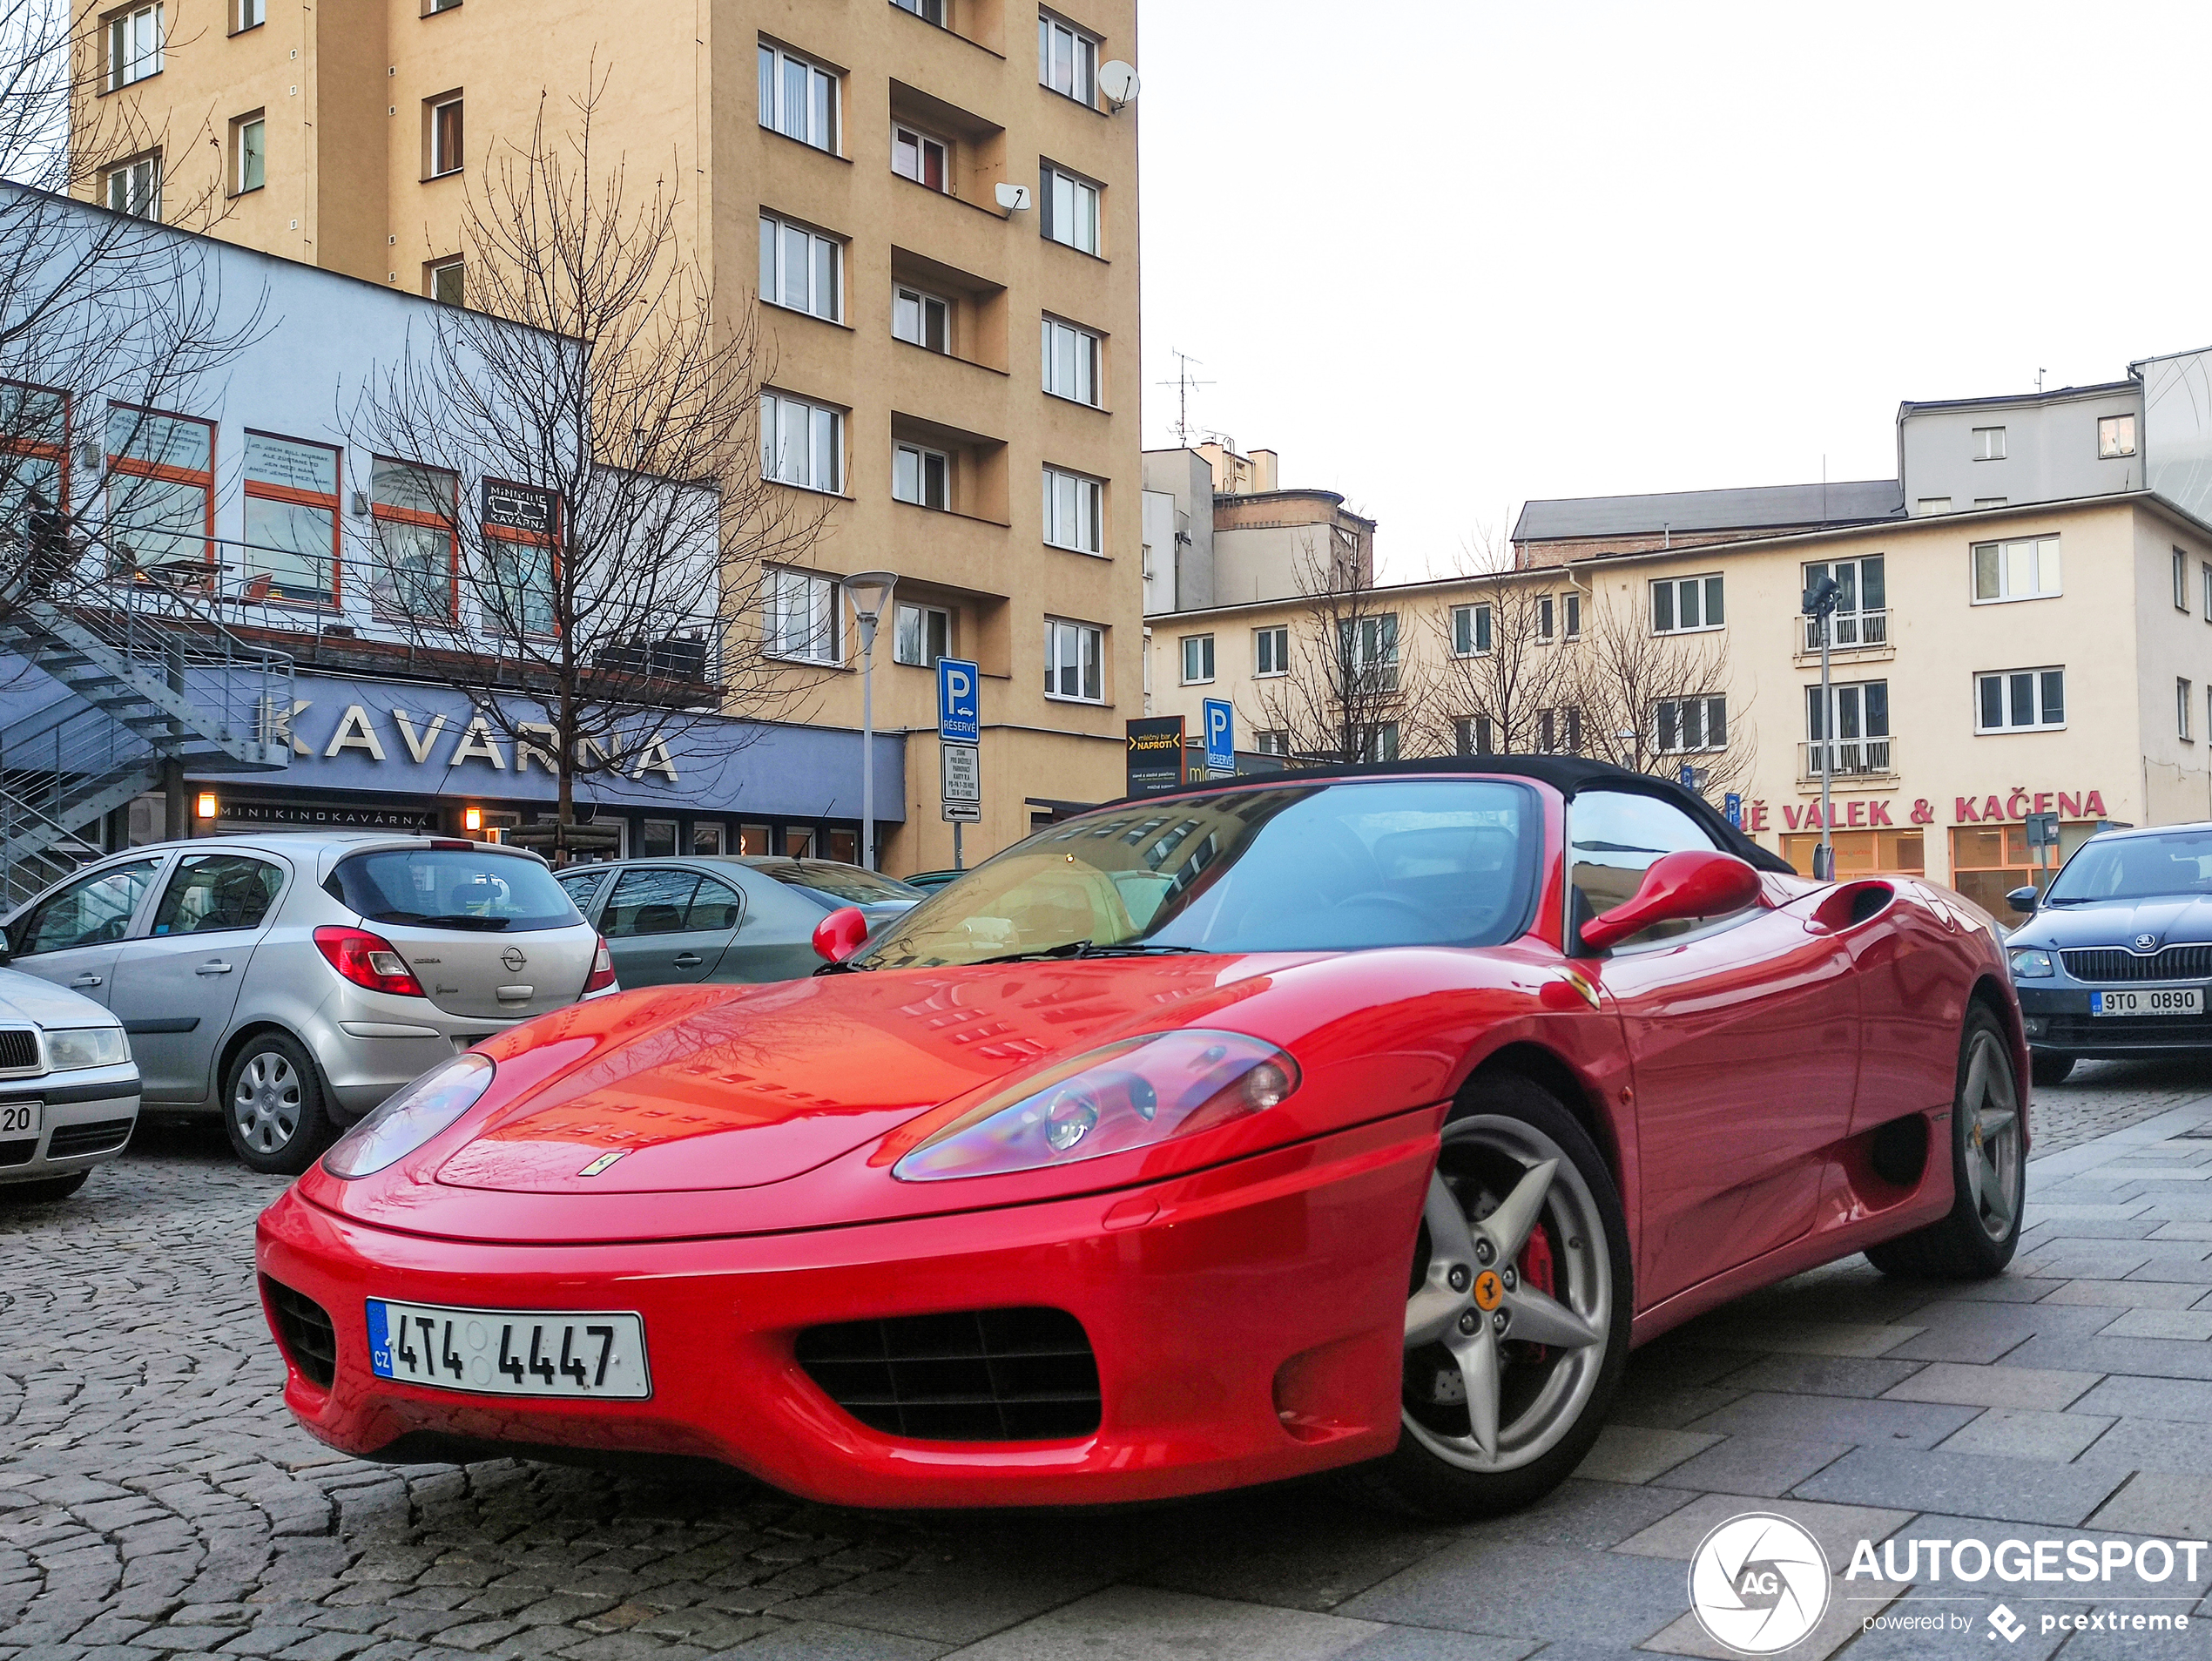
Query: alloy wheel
(1990, 1121)
(1512, 1299)
(266, 1104)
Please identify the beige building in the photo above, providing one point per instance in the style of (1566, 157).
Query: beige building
(855, 164)
(2047, 658)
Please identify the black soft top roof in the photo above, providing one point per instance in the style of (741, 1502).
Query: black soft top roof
(1566, 773)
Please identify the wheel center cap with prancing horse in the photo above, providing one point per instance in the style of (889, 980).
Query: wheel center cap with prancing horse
(1489, 1291)
(514, 959)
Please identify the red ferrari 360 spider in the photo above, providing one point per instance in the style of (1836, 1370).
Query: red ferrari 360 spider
(1359, 1116)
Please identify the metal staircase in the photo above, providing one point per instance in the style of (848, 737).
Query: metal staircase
(156, 678)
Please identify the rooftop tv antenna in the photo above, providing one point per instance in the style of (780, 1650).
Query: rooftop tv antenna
(1183, 383)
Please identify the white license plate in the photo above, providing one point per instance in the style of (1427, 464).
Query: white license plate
(2173, 1000)
(510, 1351)
(21, 1119)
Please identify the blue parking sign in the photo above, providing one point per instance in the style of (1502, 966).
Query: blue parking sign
(1221, 736)
(959, 707)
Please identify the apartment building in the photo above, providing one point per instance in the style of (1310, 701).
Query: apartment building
(1220, 528)
(939, 225)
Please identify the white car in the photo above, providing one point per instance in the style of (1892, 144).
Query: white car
(69, 1089)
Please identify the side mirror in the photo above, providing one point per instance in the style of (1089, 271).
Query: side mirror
(838, 935)
(1692, 883)
(2022, 900)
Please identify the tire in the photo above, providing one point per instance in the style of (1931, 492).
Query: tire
(274, 1106)
(43, 1189)
(2046, 1067)
(1988, 1169)
(1519, 1227)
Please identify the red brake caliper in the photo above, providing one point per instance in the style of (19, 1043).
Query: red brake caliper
(1537, 1268)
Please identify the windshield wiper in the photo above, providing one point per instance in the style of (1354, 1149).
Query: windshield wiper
(462, 920)
(1066, 949)
(1136, 948)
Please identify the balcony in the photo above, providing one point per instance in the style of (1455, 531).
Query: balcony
(1858, 635)
(1854, 760)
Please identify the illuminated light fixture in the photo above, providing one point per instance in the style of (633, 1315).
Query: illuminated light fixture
(204, 808)
(472, 818)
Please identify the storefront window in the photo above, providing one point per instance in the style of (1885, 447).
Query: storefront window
(798, 842)
(706, 839)
(1988, 862)
(1863, 852)
(160, 495)
(752, 839)
(291, 518)
(843, 845)
(416, 511)
(659, 841)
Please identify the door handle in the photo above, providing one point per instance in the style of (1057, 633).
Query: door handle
(213, 967)
(86, 980)
(688, 959)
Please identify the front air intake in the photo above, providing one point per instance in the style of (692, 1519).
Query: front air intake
(979, 1375)
(304, 1327)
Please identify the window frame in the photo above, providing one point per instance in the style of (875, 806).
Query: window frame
(922, 8)
(923, 300)
(1546, 619)
(253, 489)
(921, 140)
(248, 14)
(1090, 498)
(924, 455)
(127, 466)
(436, 163)
(1668, 711)
(241, 125)
(1090, 348)
(783, 579)
(1859, 611)
(2005, 682)
(1082, 86)
(500, 542)
(2003, 569)
(124, 52)
(923, 613)
(1473, 735)
(774, 63)
(1087, 197)
(777, 402)
(20, 445)
(382, 512)
(775, 264)
(127, 173)
(2114, 451)
(1271, 642)
(1708, 585)
(1988, 443)
(1476, 638)
(2184, 708)
(1088, 662)
(434, 272)
(2180, 581)
(1204, 654)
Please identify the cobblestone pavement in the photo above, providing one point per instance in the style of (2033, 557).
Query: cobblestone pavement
(155, 1498)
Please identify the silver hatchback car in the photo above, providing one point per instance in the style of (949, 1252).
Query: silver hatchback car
(291, 983)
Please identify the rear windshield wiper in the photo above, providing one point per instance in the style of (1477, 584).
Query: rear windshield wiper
(460, 919)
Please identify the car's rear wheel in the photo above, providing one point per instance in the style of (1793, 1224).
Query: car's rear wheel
(2046, 1067)
(273, 1106)
(1517, 1321)
(43, 1188)
(1988, 1168)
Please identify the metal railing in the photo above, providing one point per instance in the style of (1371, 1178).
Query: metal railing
(1854, 758)
(1854, 631)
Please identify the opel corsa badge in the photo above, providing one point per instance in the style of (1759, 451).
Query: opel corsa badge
(514, 959)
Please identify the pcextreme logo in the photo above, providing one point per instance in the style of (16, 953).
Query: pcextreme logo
(1758, 1583)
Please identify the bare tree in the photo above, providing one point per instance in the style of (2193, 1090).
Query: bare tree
(574, 530)
(1510, 681)
(1657, 703)
(1349, 692)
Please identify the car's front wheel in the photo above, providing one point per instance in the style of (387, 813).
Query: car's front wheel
(273, 1106)
(2046, 1067)
(1517, 1321)
(1988, 1168)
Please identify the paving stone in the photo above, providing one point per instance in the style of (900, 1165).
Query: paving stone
(1992, 1387)
(1822, 1374)
(2160, 1358)
(1908, 1424)
(1837, 1527)
(1312, 1553)
(2190, 1325)
(1140, 1624)
(2013, 1491)
(1754, 1465)
(2020, 1433)
(1610, 1597)
(814, 1641)
(2190, 1400)
(1814, 1337)
(1839, 1625)
(2151, 1445)
(1633, 1454)
(2169, 1503)
(2126, 1294)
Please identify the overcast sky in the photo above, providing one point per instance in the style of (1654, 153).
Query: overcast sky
(1445, 255)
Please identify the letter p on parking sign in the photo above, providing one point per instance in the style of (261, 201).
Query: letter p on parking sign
(959, 712)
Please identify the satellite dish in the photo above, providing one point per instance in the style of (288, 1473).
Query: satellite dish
(1118, 82)
(1013, 197)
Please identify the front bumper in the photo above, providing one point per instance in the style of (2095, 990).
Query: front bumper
(2056, 1014)
(1247, 1323)
(88, 1118)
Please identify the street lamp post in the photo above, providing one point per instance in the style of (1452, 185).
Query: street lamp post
(1820, 605)
(870, 592)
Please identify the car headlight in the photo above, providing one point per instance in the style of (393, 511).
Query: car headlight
(2031, 963)
(1127, 1094)
(411, 1118)
(73, 1047)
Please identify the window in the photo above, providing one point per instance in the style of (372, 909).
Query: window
(801, 443)
(1862, 740)
(1067, 60)
(1070, 210)
(2115, 436)
(1687, 724)
(160, 494)
(1274, 741)
(292, 518)
(1272, 651)
(1197, 659)
(928, 11)
(133, 45)
(921, 635)
(2026, 570)
(1933, 504)
(1614, 837)
(1559, 732)
(1074, 512)
(414, 514)
(1369, 646)
(1073, 661)
(34, 478)
(135, 186)
(431, 8)
(1680, 604)
(1570, 615)
(1378, 743)
(519, 600)
(2180, 581)
(2020, 700)
(1989, 444)
(1989, 501)
(209, 893)
(249, 153)
(1470, 632)
(1544, 619)
(250, 14)
(919, 475)
(442, 281)
(445, 137)
(1861, 617)
(798, 100)
(920, 319)
(1071, 358)
(803, 618)
(2181, 707)
(917, 156)
(92, 911)
(801, 269)
(1473, 735)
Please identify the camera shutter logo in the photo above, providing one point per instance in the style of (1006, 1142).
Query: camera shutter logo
(1758, 1583)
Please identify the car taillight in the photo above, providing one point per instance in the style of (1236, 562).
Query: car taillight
(367, 960)
(603, 968)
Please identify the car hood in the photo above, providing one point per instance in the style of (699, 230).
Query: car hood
(2181, 920)
(25, 997)
(753, 1085)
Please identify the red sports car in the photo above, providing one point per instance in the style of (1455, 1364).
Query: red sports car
(1360, 1117)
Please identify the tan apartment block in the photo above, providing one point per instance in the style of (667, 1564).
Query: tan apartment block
(844, 161)
(2054, 657)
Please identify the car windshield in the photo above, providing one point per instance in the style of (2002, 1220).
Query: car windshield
(439, 887)
(2137, 867)
(1317, 867)
(834, 884)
